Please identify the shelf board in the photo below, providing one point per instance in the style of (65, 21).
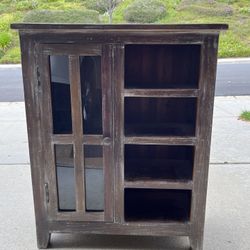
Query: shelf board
(161, 92)
(184, 185)
(160, 140)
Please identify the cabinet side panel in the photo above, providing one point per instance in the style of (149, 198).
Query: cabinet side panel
(34, 126)
(203, 133)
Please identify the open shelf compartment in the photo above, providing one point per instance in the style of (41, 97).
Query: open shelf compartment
(160, 116)
(158, 162)
(154, 205)
(162, 66)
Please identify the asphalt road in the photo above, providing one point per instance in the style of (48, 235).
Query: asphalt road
(233, 78)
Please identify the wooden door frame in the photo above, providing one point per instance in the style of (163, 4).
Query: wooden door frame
(77, 139)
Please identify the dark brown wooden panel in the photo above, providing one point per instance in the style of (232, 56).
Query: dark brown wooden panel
(159, 140)
(170, 27)
(203, 131)
(150, 229)
(159, 184)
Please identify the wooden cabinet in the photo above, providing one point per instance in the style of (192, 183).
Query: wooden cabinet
(119, 121)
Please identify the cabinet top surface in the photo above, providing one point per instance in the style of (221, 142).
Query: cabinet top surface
(121, 27)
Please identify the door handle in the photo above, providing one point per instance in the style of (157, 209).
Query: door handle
(107, 141)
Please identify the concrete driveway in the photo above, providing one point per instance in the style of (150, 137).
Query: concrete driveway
(227, 224)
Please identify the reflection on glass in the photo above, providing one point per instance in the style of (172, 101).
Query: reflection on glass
(90, 67)
(65, 177)
(94, 182)
(60, 91)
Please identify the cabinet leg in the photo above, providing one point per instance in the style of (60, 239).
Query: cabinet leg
(43, 239)
(196, 242)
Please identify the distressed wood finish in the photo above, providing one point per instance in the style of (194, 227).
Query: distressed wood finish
(161, 92)
(203, 134)
(174, 143)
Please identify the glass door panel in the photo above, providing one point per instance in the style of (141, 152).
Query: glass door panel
(94, 178)
(79, 130)
(91, 92)
(65, 177)
(60, 94)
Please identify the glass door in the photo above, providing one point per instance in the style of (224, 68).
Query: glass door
(77, 124)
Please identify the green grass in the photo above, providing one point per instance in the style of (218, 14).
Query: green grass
(245, 116)
(233, 43)
(60, 16)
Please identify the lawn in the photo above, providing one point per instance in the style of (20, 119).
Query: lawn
(233, 43)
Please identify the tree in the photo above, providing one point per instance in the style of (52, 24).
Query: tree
(103, 6)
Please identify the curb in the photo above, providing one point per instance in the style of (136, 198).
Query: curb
(9, 66)
(234, 60)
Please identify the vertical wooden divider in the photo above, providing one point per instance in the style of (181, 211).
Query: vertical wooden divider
(119, 131)
(76, 107)
(107, 124)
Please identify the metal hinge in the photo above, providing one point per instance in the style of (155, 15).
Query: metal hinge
(46, 187)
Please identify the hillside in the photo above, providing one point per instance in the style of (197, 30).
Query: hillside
(233, 43)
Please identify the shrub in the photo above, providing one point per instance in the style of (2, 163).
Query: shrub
(206, 7)
(225, 10)
(93, 5)
(245, 10)
(5, 40)
(12, 55)
(26, 5)
(245, 116)
(6, 19)
(57, 16)
(145, 11)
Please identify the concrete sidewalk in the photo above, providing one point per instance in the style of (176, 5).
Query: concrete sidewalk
(228, 205)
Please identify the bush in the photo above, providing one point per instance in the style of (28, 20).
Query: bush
(208, 8)
(12, 55)
(26, 5)
(5, 40)
(57, 16)
(6, 19)
(225, 10)
(145, 11)
(93, 5)
(245, 10)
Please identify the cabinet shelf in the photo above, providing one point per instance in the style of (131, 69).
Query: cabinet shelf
(160, 140)
(161, 92)
(159, 184)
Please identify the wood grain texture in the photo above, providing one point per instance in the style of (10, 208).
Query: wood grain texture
(159, 184)
(171, 27)
(33, 100)
(76, 107)
(150, 229)
(161, 92)
(203, 134)
(118, 72)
